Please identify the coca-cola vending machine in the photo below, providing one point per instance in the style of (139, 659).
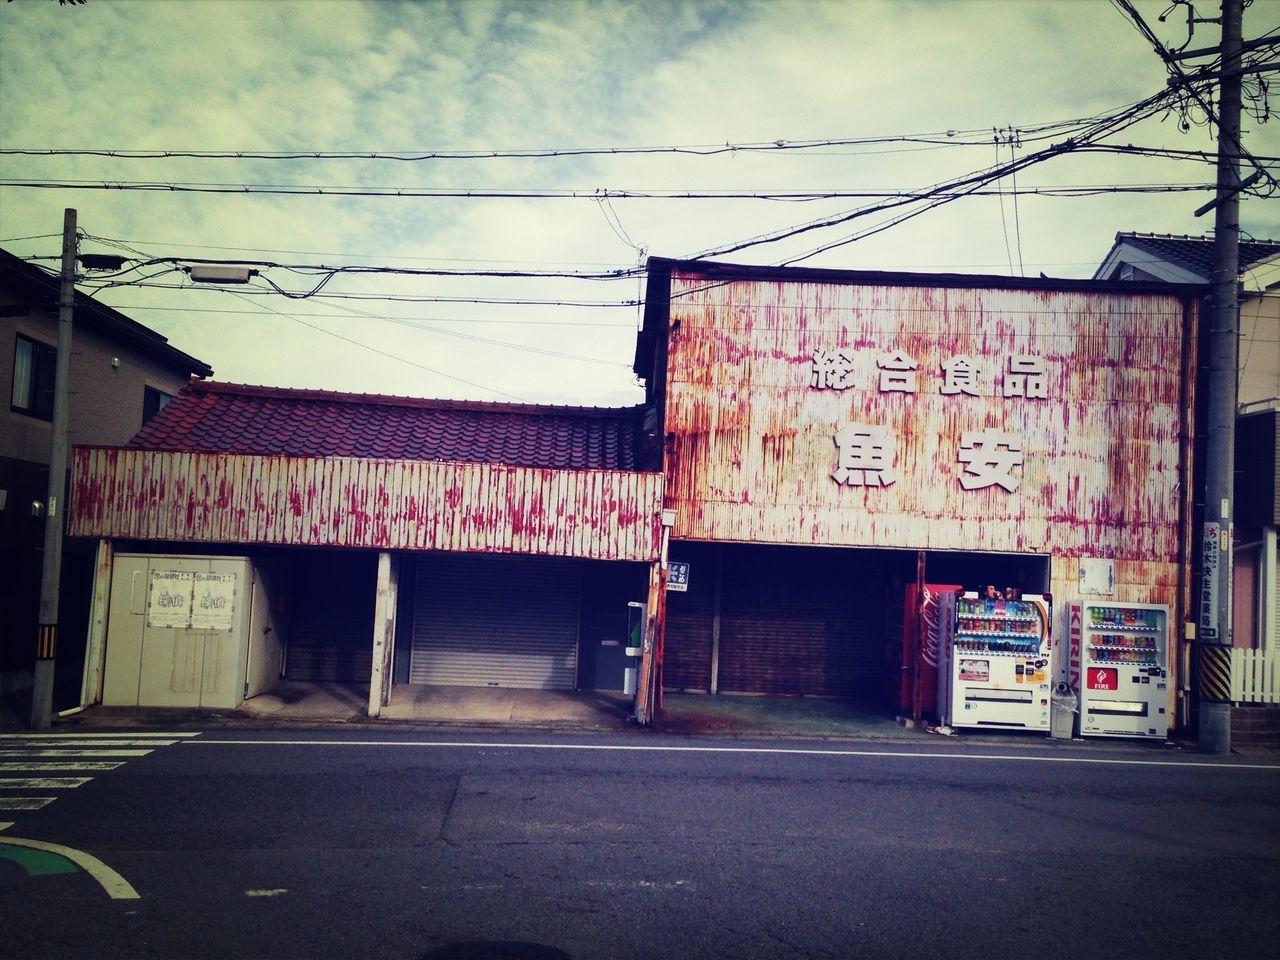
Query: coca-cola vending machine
(920, 664)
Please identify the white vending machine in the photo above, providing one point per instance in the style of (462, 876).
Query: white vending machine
(1124, 669)
(997, 674)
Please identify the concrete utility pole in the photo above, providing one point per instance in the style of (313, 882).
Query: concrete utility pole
(51, 571)
(1214, 640)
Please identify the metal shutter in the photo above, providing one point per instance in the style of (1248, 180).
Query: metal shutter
(496, 621)
(331, 623)
(686, 658)
(802, 621)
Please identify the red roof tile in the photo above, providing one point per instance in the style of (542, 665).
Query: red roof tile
(269, 421)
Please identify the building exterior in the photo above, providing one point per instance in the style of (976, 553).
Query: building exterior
(390, 540)
(121, 373)
(1256, 571)
(828, 437)
(812, 443)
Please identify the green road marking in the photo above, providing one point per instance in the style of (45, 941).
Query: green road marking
(38, 863)
(115, 886)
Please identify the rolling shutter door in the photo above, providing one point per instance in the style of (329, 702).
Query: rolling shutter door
(802, 622)
(496, 621)
(686, 663)
(331, 618)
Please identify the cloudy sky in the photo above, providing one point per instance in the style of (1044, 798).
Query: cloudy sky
(910, 92)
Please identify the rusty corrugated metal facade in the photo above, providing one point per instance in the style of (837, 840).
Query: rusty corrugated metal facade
(378, 504)
(751, 421)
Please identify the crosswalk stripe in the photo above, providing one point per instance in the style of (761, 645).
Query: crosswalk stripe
(75, 753)
(42, 783)
(132, 734)
(25, 803)
(13, 766)
(95, 744)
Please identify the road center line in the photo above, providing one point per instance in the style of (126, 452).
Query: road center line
(784, 751)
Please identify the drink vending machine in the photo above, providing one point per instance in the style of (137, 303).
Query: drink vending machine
(1124, 669)
(997, 670)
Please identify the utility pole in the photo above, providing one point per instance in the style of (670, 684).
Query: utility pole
(51, 571)
(1214, 637)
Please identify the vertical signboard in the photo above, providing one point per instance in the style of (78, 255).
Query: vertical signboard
(1209, 561)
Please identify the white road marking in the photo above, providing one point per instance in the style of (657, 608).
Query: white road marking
(95, 744)
(266, 893)
(783, 751)
(42, 783)
(5, 824)
(25, 803)
(116, 886)
(98, 736)
(77, 753)
(48, 766)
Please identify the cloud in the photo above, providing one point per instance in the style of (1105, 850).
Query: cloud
(365, 76)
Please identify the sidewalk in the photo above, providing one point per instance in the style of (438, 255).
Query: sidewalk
(493, 709)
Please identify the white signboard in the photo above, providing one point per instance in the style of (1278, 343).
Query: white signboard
(215, 601)
(1097, 577)
(169, 599)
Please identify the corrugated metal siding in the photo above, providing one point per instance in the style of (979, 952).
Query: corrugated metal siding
(750, 443)
(330, 610)
(804, 622)
(382, 504)
(496, 622)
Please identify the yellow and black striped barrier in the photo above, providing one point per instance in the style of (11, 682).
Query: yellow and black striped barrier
(47, 641)
(1215, 673)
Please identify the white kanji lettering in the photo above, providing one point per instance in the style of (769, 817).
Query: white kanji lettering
(960, 375)
(832, 370)
(1026, 378)
(865, 456)
(990, 456)
(897, 372)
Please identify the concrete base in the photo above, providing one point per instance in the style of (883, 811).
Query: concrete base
(1215, 728)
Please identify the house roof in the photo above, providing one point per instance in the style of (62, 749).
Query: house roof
(269, 421)
(43, 290)
(1190, 257)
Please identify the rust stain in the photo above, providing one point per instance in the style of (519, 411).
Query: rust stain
(385, 504)
(751, 449)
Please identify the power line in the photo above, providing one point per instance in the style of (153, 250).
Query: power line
(597, 194)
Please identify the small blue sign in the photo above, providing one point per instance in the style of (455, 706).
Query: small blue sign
(677, 576)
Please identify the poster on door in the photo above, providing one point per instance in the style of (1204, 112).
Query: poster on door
(169, 599)
(214, 601)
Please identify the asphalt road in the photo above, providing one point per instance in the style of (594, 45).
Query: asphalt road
(369, 844)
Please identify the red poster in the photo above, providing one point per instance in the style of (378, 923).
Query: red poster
(1103, 678)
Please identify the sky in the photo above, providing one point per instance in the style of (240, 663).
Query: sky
(799, 87)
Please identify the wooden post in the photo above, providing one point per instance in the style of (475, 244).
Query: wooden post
(384, 634)
(96, 643)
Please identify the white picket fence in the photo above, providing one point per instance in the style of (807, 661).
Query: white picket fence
(1255, 676)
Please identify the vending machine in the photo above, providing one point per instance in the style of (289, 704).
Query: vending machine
(1124, 669)
(997, 674)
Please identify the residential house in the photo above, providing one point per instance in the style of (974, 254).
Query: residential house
(121, 373)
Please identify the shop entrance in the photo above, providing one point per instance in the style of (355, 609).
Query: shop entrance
(787, 621)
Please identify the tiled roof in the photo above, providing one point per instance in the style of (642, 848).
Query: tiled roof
(269, 421)
(1196, 253)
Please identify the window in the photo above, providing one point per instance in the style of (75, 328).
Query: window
(33, 376)
(153, 402)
